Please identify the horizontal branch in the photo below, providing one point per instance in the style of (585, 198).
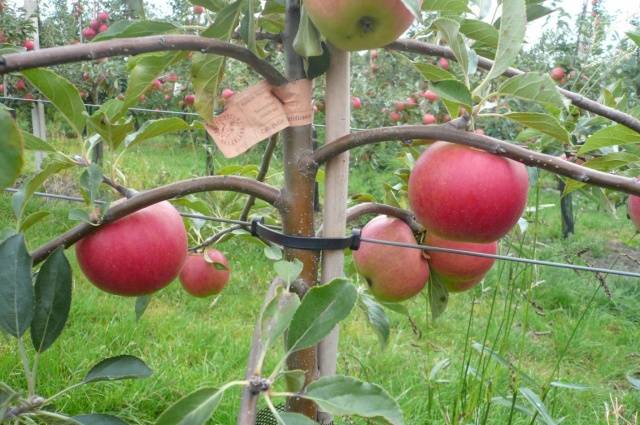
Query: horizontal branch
(134, 46)
(367, 208)
(578, 100)
(144, 199)
(485, 143)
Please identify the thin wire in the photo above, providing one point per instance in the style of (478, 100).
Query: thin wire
(390, 243)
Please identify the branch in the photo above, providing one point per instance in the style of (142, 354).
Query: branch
(578, 100)
(124, 191)
(262, 174)
(135, 46)
(367, 208)
(153, 196)
(215, 238)
(485, 143)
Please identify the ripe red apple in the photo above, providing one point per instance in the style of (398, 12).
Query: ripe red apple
(83, 94)
(21, 85)
(360, 25)
(633, 204)
(557, 73)
(103, 16)
(172, 77)
(428, 119)
(431, 96)
(198, 10)
(167, 97)
(393, 273)
(94, 24)
(138, 254)
(1, 88)
(411, 102)
(395, 116)
(156, 84)
(189, 99)
(88, 33)
(459, 272)
(28, 96)
(227, 93)
(29, 45)
(443, 63)
(205, 274)
(465, 194)
(399, 106)
(103, 28)
(356, 102)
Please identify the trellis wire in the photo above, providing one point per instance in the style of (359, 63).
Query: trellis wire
(427, 248)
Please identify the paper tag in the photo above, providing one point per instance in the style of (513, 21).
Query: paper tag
(258, 113)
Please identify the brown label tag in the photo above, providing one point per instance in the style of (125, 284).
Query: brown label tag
(258, 113)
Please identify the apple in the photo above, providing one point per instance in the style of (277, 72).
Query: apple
(459, 272)
(205, 274)
(428, 119)
(558, 73)
(156, 84)
(89, 33)
(360, 25)
(399, 106)
(393, 273)
(395, 116)
(198, 10)
(443, 63)
(103, 16)
(28, 96)
(465, 194)
(411, 102)
(1, 88)
(136, 255)
(83, 94)
(95, 24)
(86, 76)
(142, 98)
(29, 45)
(431, 96)
(120, 96)
(172, 77)
(21, 85)
(167, 97)
(356, 102)
(227, 93)
(374, 54)
(189, 99)
(103, 28)
(633, 205)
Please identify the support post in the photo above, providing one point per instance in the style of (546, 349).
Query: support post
(37, 109)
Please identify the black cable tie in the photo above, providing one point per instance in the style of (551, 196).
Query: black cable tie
(301, 242)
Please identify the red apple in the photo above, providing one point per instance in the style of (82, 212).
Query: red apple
(167, 97)
(28, 96)
(431, 96)
(142, 98)
(557, 73)
(103, 16)
(443, 63)
(360, 25)
(103, 28)
(198, 10)
(428, 119)
(633, 205)
(374, 54)
(465, 194)
(459, 272)
(29, 45)
(156, 84)
(393, 273)
(1, 88)
(189, 99)
(395, 116)
(227, 93)
(172, 77)
(205, 274)
(356, 102)
(95, 24)
(136, 255)
(411, 102)
(21, 85)
(88, 33)
(399, 106)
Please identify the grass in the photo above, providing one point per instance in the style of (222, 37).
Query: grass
(542, 324)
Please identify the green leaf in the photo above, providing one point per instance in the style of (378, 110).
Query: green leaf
(53, 300)
(90, 181)
(454, 91)
(273, 252)
(544, 123)
(438, 297)
(137, 7)
(34, 143)
(615, 135)
(16, 290)
(294, 379)
(450, 29)
(288, 270)
(454, 7)
(319, 65)
(307, 42)
(346, 396)
(132, 29)
(376, 317)
(62, 94)
(33, 219)
(117, 368)
(322, 308)
(512, 30)
(634, 36)
(508, 403)
(480, 31)
(538, 405)
(212, 5)
(193, 409)
(533, 86)
(155, 128)
(501, 360)
(143, 69)
(277, 316)
(296, 419)
(142, 303)
(11, 142)
(634, 380)
(414, 8)
(98, 419)
(569, 386)
(433, 73)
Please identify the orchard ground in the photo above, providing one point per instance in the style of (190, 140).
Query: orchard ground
(535, 318)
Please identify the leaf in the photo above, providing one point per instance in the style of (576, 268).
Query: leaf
(34, 143)
(512, 30)
(98, 419)
(480, 31)
(142, 303)
(450, 29)
(501, 360)
(634, 36)
(346, 396)
(288, 270)
(318, 65)
(33, 219)
(62, 94)
(16, 290)
(615, 135)
(634, 380)
(376, 317)
(111, 129)
(454, 91)
(137, 7)
(296, 419)
(132, 29)
(414, 8)
(533, 86)
(433, 73)
(569, 386)
(52, 300)
(273, 252)
(538, 405)
(322, 308)
(307, 42)
(277, 316)
(438, 297)
(193, 409)
(455, 7)
(544, 123)
(117, 368)
(90, 181)
(294, 379)
(11, 160)
(155, 128)
(437, 368)
(508, 403)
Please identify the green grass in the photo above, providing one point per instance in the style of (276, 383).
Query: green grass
(528, 315)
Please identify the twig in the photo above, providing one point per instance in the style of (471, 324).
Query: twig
(366, 208)
(262, 174)
(215, 238)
